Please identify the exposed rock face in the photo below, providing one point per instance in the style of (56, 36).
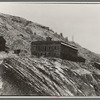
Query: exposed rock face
(48, 77)
(26, 75)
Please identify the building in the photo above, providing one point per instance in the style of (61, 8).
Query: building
(57, 49)
(2, 43)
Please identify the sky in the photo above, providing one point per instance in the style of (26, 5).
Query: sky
(81, 21)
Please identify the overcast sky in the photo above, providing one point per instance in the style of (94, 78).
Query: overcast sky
(79, 20)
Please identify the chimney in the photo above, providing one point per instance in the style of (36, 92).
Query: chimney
(48, 38)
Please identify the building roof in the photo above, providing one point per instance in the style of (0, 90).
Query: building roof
(54, 42)
(69, 45)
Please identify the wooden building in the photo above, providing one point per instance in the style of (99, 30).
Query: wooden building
(2, 43)
(57, 49)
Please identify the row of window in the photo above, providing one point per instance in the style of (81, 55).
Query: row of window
(45, 48)
(47, 54)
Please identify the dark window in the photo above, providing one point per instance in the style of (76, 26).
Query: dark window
(42, 48)
(52, 48)
(45, 48)
(45, 54)
(49, 48)
(55, 47)
(36, 47)
(41, 54)
(36, 54)
(49, 53)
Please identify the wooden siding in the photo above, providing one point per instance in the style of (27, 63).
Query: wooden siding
(68, 53)
(2, 44)
(52, 50)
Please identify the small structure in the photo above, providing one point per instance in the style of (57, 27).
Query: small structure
(20, 52)
(2, 43)
(57, 49)
(17, 51)
(97, 65)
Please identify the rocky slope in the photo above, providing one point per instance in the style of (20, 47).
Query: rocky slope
(19, 32)
(26, 75)
(48, 77)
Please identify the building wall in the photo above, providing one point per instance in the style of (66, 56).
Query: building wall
(68, 53)
(2, 44)
(52, 50)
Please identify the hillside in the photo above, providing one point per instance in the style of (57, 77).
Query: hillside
(20, 32)
(26, 75)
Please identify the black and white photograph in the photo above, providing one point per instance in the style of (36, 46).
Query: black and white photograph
(49, 49)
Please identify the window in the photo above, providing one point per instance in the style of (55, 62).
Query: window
(36, 47)
(42, 47)
(48, 54)
(56, 47)
(36, 54)
(52, 48)
(49, 47)
(41, 54)
(54, 54)
(45, 48)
